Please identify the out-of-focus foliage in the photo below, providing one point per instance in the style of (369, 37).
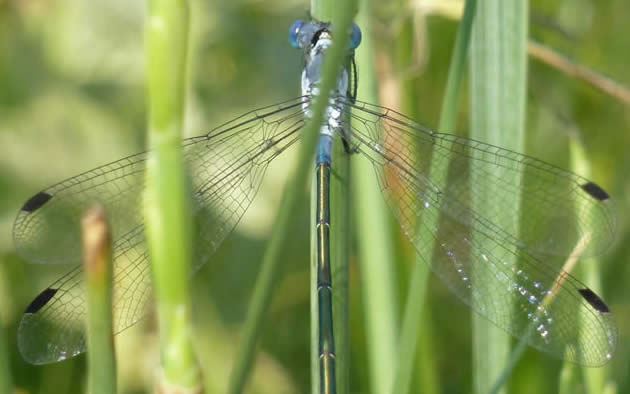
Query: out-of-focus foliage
(72, 97)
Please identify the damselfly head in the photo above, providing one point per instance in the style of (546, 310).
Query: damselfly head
(304, 34)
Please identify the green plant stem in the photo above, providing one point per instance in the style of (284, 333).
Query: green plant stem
(416, 371)
(498, 90)
(98, 268)
(448, 114)
(595, 379)
(167, 199)
(267, 278)
(373, 228)
(569, 379)
(414, 304)
(508, 367)
(339, 246)
(411, 328)
(341, 15)
(414, 327)
(340, 262)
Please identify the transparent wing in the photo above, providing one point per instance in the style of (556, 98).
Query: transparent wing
(559, 208)
(226, 168)
(529, 297)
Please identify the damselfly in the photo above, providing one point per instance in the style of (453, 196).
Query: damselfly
(528, 297)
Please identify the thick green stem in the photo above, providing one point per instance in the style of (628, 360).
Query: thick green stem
(498, 90)
(167, 199)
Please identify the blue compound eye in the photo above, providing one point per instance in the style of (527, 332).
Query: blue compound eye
(293, 33)
(355, 37)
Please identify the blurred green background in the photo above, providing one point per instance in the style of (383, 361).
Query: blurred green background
(72, 97)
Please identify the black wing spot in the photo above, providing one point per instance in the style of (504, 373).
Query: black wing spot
(41, 300)
(594, 300)
(595, 191)
(36, 201)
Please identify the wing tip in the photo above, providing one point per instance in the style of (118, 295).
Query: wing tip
(594, 300)
(595, 191)
(36, 202)
(40, 301)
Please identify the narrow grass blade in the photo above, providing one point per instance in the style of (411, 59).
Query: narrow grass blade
(340, 263)
(498, 90)
(98, 268)
(595, 379)
(341, 15)
(167, 196)
(415, 297)
(372, 224)
(415, 308)
(569, 379)
(272, 259)
(339, 248)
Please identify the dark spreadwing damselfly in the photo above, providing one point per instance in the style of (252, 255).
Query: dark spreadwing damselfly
(528, 297)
